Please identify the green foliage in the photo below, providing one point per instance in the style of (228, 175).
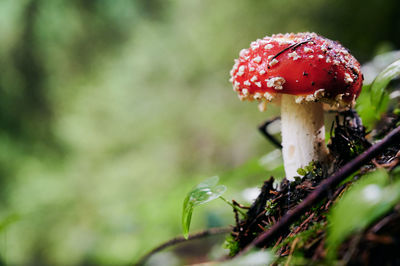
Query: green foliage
(363, 203)
(232, 245)
(303, 237)
(270, 207)
(204, 192)
(379, 95)
(301, 171)
(311, 170)
(306, 169)
(374, 98)
(363, 107)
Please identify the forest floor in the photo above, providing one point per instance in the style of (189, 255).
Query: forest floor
(376, 244)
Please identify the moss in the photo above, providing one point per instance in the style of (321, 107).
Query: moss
(231, 244)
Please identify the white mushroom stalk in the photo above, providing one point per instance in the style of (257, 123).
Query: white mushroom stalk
(303, 134)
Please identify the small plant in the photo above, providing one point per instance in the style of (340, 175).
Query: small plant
(232, 245)
(269, 207)
(204, 192)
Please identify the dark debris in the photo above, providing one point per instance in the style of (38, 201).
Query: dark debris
(272, 204)
(349, 139)
(378, 245)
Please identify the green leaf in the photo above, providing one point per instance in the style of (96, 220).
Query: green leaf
(363, 107)
(368, 199)
(379, 94)
(202, 193)
(374, 98)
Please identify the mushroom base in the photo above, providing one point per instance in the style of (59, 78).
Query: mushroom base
(303, 134)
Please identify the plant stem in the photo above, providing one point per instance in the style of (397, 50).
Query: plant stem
(234, 206)
(180, 239)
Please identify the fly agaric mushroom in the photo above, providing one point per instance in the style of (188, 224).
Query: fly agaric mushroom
(302, 71)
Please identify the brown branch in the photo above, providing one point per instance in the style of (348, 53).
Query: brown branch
(180, 239)
(323, 190)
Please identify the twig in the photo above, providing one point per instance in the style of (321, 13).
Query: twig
(291, 251)
(350, 250)
(234, 206)
(323, 190)
(240, 205)
(293, 46)
(264, 130)
(180, 239)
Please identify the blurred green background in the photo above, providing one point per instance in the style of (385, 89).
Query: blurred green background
(110, 111)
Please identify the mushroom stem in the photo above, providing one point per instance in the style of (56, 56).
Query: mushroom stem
(303, 134)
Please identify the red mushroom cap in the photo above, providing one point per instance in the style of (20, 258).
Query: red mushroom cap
(304, 64)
